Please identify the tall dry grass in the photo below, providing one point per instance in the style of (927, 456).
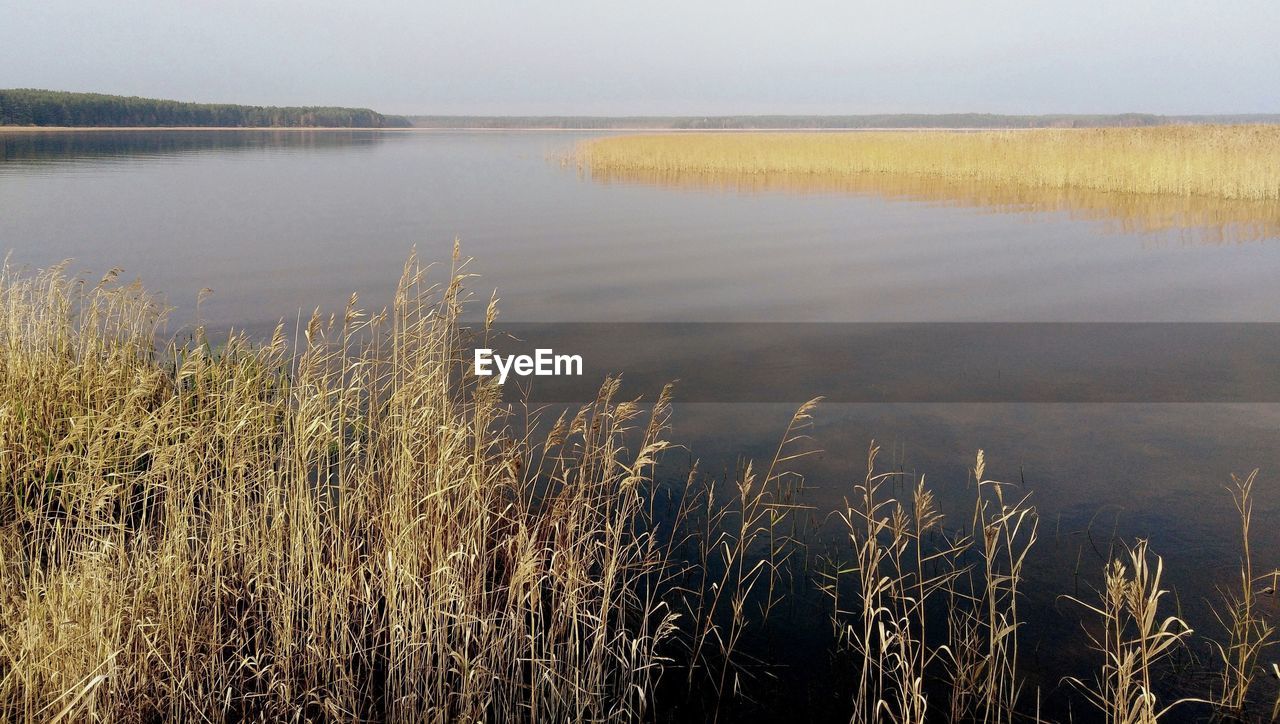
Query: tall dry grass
(933, 607)
(1136, 635)
(338, 525)
(1249, 633)
(346, 524)
(1229, 162)
(343, 524)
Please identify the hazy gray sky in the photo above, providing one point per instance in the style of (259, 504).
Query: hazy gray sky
(659, 56)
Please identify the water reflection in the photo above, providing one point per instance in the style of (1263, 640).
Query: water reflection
(909, 363)
(1100, 475)
(1190, 219)
(39, 148)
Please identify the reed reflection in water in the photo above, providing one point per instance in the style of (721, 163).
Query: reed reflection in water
(1189, 219)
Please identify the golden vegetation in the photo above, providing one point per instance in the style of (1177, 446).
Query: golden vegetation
(340, 531)
(1248, 631)
(1136, 636)
(344, 525)
(907, 564)
(1231, 162)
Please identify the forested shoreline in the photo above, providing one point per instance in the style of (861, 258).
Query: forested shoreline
(31, 107)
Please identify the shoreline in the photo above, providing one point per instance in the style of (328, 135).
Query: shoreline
(15, 130)
(65, 129)
(522, 129)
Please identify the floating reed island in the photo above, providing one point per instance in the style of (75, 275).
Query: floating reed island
(1240, 162)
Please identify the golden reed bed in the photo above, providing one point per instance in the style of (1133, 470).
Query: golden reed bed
(344, 525)
(1230, 162)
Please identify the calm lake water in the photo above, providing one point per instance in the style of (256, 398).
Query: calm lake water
(278, 223)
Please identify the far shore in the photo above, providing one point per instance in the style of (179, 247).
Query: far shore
(637, 129)
(42, 129)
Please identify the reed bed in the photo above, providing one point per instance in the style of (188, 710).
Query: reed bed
(1228, 162)
(345, 524)
(342, 524)
(336, 526)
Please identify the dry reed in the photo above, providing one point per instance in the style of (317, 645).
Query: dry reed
(345, 531)
(1135, 638)
(1230, 162)
(906, 568)
(1248, 632)
(346, 525)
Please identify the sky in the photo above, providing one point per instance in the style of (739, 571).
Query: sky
(659, 57)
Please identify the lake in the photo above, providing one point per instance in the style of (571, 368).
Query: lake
(277, 223)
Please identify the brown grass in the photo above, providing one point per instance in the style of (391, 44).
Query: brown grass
(1231, 162)
(906, 564)
(344, 524)
(335, 526)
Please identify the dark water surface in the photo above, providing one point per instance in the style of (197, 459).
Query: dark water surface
(277, 223)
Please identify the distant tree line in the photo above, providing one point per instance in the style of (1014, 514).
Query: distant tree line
(778, 122)
(30, 107)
